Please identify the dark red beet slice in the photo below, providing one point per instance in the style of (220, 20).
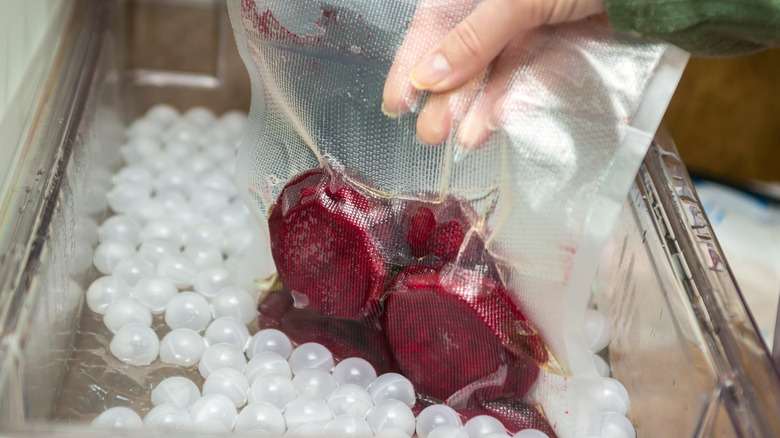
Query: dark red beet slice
(435, 229)
(445, 241)
(421, 224)
(273, 307)
(323, 246)
(344, 338)
(514, 416)
(444, 327)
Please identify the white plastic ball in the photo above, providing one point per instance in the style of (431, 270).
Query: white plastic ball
(392, 386)
(176, 180)
(227, 330)
(206, 201)
(614, 425)
(179, 269)
(598, 332)
(434, 416)
(155, 292)
(181, 130)
(168, 417)
(448, 431)
(104, 291)
(163, 229)
(229, 382)
(221, 152)
(354, 370)
(155, 249)
(234, 121)
(124, 195)
(314, 382)
(392, 414)
(272, 388)
(120, 227)
(218, 181)
(307, 410)
(221, 356)
(212, 427)
(209, 281)
(162, 114)
(188, 310)
(203, 232)
(234, 302)
(233, 216)
(616, 397)
(138, 174)
(135, 344)
(147, 210)
(391, 433)
(132, 270)
(310, 355)
(269, 340)
(530, 433)
(306, 430)
(214, 407)
(198, 165)
(481, 425)
(602, 367)
(138, 150)
(118, 417)
(145, 128)
(199, 116)
(179, 149)
(172, 201)
(267, 362)
(187, 217)
(350, 399)
(109, 253)
(182, 346)
(237, 241)
(178, 391)
(260, 417)
(125, 311)
(205, 256)
(349, 426)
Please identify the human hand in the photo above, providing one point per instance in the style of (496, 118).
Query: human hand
(452, 62)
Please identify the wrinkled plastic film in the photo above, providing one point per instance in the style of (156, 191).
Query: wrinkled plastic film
(572, 111)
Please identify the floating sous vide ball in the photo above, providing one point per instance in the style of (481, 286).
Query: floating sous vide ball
(162, 114)
(449, 431)
(126, 311)
(182, 346)
(211, 280)
(221, 356)
(203, 232)
(306, 430)
(227, 330)
(168, 417)
(155, 292)
(434, 416)
(311, 355)
(120, 227)
(349, 425)
(307, 410)
(163, 229)
(236, 241)
(391, 433)
(132, 270)
(349, 399)
(135, 344)
(199, 116)
(205, 256)
(132, 174)
(269, 340)
(118, 417)
(614, 425)
(392, 414)
(392, 386)
(530, 433)
(354, 370)
(260, 417)
(616, 397)
(234, 302)
(188, 310)
(139, 150)
(146, 210)
(176, 180)
(229, 382)
(482, 425)
(124, 195)
(109, 253)
(274, 389)
(176, 390)
(179, 269)
(265, 363)
(104, 291)
(214, 407)
(598, 332)
(314, 382)
(155, 249)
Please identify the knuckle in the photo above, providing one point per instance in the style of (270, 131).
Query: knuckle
(468, 41)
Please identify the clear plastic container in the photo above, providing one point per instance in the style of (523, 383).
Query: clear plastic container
(684, 343)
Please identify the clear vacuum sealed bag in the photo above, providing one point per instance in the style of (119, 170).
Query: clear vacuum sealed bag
(465, 266)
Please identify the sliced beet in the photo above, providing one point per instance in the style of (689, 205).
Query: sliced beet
(435, 229)
(445, 241)
(273, 307)
(324, 248)
(344, 338)
(444, 327)
(421, 224)
(515, 416)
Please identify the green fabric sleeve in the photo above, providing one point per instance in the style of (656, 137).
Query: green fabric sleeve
(702, 27)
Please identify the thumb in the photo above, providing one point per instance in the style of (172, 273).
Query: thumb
(472, 45)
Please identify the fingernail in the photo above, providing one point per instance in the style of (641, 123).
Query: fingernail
(388, 112)
(472, 131)
(430, 72)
